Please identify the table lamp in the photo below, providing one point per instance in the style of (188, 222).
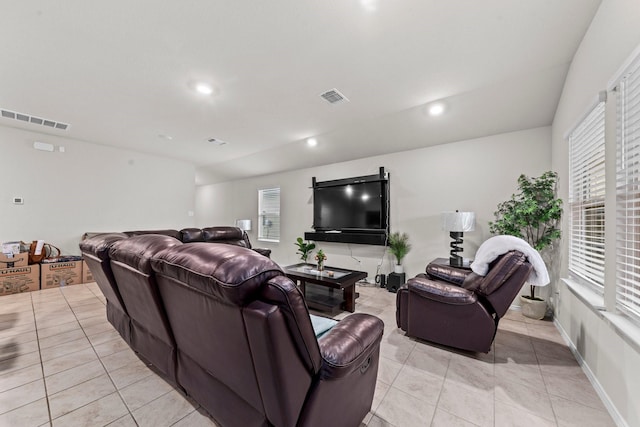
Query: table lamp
(456, 223)
(243, 224)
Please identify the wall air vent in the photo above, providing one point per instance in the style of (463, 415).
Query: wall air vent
(216, 141)
(8, 114)
(333, 96)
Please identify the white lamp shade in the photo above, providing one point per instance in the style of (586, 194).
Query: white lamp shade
(243, 224)
(458, 221)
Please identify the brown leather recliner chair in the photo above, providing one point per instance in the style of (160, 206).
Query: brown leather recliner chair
(151, 336)
(95, 251)
(221, 234)
(459, 308)
(247, 351)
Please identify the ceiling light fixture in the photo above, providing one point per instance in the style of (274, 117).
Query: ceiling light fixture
(369, 5)
(312, 142)
(436, 109)
(204, 89)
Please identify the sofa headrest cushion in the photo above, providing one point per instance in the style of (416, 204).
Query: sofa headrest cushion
(189, 235)
(227, 272)
(212, 234)
(172, 233)
(99, 245)
(136, 251)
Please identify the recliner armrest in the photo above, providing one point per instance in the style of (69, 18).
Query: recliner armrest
(263, 251)
(440, 291)
(347, 347)
(447, 273)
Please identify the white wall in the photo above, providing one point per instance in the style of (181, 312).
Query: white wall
(611, 38)
(472, 175)
(88, 187)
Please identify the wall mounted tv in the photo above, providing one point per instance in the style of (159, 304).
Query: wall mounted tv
(351, 210)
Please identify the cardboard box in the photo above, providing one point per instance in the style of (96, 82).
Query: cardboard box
(19, 279)
(11, 248)
(57, 274)
(86, 273)
(13, 261)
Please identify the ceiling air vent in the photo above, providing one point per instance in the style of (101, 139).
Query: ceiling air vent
(333, 96)
(8, 114)
(216, 141)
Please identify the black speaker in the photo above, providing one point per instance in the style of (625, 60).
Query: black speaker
(394, 281)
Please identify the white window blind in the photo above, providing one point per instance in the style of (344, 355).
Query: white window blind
(269, 215)
(628, 193)
(586, 200)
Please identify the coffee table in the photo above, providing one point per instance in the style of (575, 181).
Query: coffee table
(332, 278)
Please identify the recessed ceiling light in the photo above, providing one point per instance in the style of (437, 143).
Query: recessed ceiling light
(436, 109)
(369, 5)
(204, 89)
(312, 142)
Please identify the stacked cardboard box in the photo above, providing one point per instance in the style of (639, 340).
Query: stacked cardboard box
(14, 260)
(86, 273)
(64, 273)
(19, 279)
(16, 275)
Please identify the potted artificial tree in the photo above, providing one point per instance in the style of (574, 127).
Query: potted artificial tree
(304, 248)
(532, 215)
(399, 247)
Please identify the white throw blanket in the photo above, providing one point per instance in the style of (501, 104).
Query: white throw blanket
(494, 247)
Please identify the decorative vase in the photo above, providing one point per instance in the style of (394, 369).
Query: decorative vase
(533, 309)
(320, 265)
(398, 268)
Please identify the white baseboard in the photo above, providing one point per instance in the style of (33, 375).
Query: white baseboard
(613, 411)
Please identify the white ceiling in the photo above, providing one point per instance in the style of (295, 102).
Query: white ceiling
(122, 74)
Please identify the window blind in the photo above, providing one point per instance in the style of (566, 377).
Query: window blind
(269, 214)
(586, 199)
(628, 193)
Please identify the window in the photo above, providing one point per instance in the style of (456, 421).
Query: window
(628, 192)
(269, 215)
(586, 199)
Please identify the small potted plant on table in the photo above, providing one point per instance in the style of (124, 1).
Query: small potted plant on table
(304, 248)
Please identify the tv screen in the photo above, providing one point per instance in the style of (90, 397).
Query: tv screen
(356, 206)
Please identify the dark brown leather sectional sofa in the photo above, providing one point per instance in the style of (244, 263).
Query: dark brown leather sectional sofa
(224, 324)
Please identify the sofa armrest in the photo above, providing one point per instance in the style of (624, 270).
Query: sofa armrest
(263, 251)
(440, 291)
(348, 346)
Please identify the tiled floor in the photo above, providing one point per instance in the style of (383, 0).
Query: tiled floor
(62, 364)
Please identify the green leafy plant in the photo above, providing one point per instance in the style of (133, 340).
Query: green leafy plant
(399, 245)
(304, 248)
(533, 214)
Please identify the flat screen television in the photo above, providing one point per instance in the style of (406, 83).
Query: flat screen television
(351, 210)
(351, 207)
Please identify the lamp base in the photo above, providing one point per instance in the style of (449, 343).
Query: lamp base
(458, 261)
